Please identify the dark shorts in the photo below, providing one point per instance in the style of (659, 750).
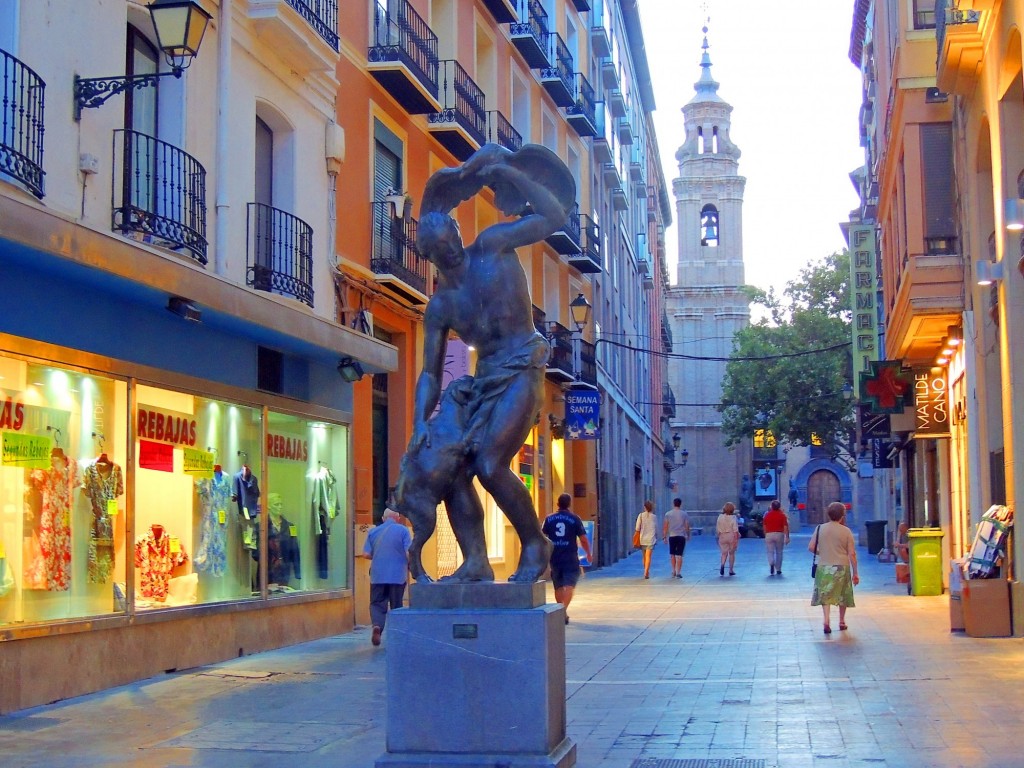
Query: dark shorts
(676, 545)
(565, 575)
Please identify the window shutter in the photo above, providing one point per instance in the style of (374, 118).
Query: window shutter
(937, 164)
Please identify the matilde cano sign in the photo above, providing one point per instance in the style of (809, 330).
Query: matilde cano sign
(931, 404)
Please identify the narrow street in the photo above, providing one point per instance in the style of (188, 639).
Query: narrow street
(663, 673)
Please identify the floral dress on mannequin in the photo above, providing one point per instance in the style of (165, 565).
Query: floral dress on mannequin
(51, 566)
(102, 483)
(214, 496)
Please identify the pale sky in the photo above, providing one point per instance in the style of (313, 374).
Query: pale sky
(795, 98)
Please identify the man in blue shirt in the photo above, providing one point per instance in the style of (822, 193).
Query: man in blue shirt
(387, 549)
(564, 527)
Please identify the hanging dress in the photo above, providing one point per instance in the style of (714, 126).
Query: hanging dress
(101, 488)
(57, 484)
(214, 497)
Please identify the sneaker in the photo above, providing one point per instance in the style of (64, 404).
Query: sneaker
(375, 638)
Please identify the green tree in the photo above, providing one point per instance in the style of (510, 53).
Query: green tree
(777, 379)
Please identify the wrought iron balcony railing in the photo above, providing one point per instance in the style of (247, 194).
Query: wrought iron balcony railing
(322, 16)
(21, 124)
(557, 77)
(500, 131)
(530, 33)
(394, 248)
(401, 35)
(582, 114)
(560, 362)
(279, 253)
(159, 193)
(462, 104)
(566, 240)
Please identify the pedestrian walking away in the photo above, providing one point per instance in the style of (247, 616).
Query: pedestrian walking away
(647, 527)
(676, 533)
(837, 565)
(776, 536)
(728, 531)
(387, 549)
(564, 528)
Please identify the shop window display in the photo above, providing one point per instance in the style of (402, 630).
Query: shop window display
(307, 546)
(62, 530)
(197, 499)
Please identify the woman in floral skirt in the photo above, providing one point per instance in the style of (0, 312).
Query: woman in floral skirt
(837, 565)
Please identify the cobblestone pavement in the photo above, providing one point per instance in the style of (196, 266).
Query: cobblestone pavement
(700, 672)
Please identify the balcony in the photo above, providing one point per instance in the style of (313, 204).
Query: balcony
(644, 260)
(500, 131)
(929, 298)
(279, 253)
(609, 73)
(393, 258)
(958, 41)
(600, 34)
(602, 144)
(567, 239)
(503, 11)
(616, 101)
(302, 32)
(558, 79)
(559, 368)
(613, 179)
(588, 363)
(21, 124)
(588, 260)
(461, 125)
(624, 130)
(530, 35)
(582, 115)
(637, 163)
(403, 57)
(159, 194)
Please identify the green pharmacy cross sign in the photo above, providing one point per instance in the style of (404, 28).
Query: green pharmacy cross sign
(888, 387)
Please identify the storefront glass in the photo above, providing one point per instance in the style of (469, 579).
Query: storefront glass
(192, 496)
(197, 499)
(62, 501)
(308, 543)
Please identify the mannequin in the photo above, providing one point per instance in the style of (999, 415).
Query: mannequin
(245, 491)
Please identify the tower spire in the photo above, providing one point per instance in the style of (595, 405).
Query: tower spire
(706, 86)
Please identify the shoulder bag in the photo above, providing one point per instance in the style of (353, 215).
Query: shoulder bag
(814, 560)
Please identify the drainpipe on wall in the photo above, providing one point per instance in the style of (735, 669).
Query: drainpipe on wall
(222, 159)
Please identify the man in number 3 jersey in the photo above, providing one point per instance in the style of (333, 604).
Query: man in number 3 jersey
(563, 527)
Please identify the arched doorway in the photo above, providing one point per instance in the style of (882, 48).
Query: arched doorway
(822, 490)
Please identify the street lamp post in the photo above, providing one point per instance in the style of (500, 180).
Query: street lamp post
(179, 25)
(580, 309)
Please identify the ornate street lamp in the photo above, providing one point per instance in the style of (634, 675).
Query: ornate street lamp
(579, 309)
(180, 26)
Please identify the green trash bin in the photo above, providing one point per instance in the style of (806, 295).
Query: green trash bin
(925, 561)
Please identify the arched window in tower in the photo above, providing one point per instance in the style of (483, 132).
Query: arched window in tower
(700, 140)
(714, 140)
(709, 226)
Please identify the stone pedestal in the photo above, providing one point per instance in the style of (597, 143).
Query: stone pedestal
(476, 679)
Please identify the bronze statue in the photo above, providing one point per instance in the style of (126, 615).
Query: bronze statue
(482, 295)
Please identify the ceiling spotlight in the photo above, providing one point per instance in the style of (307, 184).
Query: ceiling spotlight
(184, 309)
(350, 370)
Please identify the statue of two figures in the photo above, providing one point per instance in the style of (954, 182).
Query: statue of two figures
(483, 296)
